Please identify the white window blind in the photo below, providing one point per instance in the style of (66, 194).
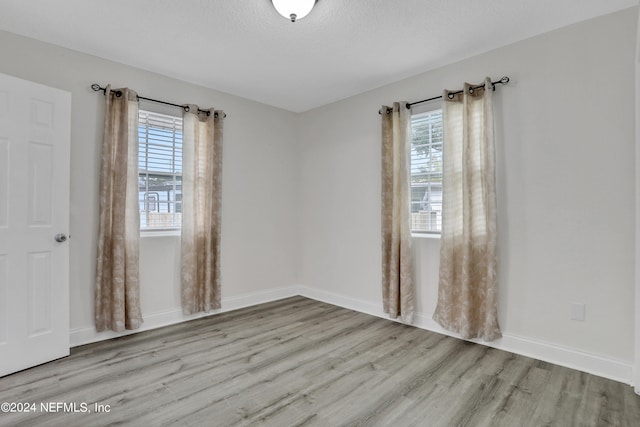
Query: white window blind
(160, 171)
(426, 172)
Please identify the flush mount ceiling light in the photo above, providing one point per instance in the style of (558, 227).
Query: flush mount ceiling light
(294, 9)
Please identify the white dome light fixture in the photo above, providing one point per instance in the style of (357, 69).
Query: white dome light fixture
(294, 9)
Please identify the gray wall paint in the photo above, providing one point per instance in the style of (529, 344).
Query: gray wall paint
(258, 182)
(565, 138)
(301, 192)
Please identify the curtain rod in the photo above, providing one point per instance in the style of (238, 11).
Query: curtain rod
(502, 81)
(96, 87)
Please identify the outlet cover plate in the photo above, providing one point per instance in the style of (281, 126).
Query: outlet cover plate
(577, 311)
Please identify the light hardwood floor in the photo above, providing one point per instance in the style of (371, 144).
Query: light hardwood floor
(302, 362)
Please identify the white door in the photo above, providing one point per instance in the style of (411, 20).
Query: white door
(34, 208)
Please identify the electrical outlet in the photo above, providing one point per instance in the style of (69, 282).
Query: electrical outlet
(577, 311)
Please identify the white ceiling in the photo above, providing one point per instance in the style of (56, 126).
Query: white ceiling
(243, 47)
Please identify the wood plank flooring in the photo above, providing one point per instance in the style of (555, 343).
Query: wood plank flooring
(300, 362)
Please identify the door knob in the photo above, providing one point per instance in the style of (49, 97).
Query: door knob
(60, 237)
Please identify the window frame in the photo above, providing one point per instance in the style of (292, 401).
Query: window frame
(427, 107)
(172, 230)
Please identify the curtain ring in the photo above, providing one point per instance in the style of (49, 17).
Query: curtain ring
(186, 108)
(451, 95)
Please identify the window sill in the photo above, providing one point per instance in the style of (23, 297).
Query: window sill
(159, 233)
(426, 235)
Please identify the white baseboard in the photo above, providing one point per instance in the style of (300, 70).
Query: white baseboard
(159, 319)
(564, 356)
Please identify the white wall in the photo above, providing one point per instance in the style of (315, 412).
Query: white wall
(565, 139)
(258, 182)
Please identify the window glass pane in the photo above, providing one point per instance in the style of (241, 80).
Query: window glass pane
(160, 171)
(426, 172)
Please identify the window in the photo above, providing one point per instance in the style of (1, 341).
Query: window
(160, 171)
(426, 172)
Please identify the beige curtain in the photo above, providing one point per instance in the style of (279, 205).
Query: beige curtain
(468, 293)
(397, 269)
(117, 297)
(201, 197)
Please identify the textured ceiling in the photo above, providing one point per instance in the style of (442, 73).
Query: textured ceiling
(243, 47)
